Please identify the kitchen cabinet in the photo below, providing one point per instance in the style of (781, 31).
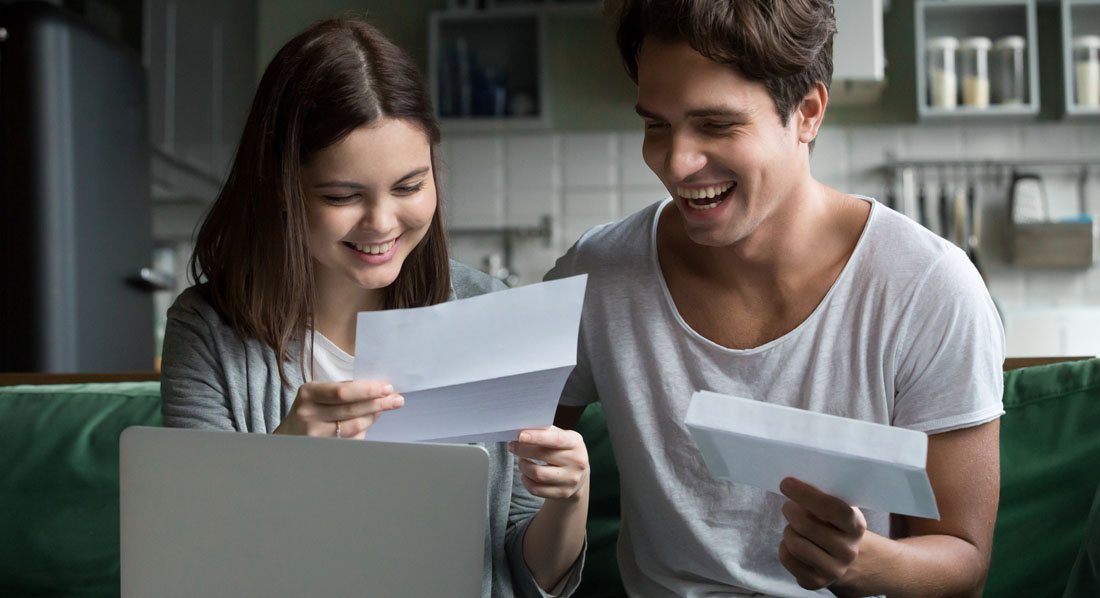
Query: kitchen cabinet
(953, 28)
(488, 68)
(200, 57)
(858, 47)
(1081, 20)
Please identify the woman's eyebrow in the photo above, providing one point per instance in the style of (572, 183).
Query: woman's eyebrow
(348, 184)
(415, 173)
(354, 185)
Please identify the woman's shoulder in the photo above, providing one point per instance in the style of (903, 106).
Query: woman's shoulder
(194, 309)
(194, 303)
(470, 282)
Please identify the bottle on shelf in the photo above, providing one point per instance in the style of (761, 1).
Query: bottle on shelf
(974, 68)
(1086, 69)
(1008, 73)
(943, 82)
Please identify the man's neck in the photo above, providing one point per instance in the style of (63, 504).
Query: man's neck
(795, 238)
(749, 293)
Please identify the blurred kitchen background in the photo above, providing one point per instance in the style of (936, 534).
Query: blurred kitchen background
(978, 118)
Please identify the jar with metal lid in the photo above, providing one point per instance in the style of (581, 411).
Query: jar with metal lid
(974, 71)
(943, 83)
(1086, 70)
(1008, 71)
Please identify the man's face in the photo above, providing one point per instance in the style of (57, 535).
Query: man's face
(715, 140)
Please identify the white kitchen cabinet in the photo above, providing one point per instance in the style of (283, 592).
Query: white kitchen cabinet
(858, 46)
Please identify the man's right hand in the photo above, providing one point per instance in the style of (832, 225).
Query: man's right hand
(355, 404)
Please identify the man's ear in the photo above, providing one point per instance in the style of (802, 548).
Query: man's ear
(811, 112)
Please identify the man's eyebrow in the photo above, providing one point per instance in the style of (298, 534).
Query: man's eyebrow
(722, 111)
(703, 112)
(642, 112)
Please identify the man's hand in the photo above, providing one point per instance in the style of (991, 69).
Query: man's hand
(821, 540)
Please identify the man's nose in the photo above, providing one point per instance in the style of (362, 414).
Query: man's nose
(684, 157)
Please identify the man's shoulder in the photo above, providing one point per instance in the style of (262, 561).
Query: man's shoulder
(900, 258)
(614, 245)
(898, 244)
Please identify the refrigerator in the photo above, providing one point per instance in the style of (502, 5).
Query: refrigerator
(75, 207)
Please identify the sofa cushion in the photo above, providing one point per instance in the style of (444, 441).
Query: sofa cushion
(59, 484)
(601, 569)
(1050, 468)
(1084, 579)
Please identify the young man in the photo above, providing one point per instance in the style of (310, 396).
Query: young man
(753, 279)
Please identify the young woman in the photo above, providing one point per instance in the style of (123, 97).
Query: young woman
(331, 208)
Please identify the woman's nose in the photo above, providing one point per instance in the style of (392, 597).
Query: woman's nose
(379, 217)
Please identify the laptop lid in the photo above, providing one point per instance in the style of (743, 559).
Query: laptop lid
(229, 514)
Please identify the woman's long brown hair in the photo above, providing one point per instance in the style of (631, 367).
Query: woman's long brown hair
(252, 256)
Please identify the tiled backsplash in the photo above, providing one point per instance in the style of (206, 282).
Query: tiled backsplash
(584, 179)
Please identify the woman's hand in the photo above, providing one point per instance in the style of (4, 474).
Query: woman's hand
(554, 463)
(323, 408)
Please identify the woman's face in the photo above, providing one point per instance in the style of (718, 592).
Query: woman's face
(370, 198)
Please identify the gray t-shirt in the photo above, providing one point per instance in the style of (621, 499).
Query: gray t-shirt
(907, 336)
(213, 380)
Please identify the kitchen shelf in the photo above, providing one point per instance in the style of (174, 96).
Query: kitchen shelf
(1079, 17)
(968, 18)
(487, 69)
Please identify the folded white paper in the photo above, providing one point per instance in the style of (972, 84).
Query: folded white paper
(473, 370)
(866, 464)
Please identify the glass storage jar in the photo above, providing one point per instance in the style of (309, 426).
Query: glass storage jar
(1008, 71)
(943, 83)
(974, 71)
(1086, 70)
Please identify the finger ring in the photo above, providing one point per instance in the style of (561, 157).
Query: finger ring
(337, 429)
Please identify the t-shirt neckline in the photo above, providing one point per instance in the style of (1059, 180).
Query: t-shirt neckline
(671, 305)
(331, 348)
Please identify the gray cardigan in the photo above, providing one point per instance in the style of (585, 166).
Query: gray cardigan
(210, 379)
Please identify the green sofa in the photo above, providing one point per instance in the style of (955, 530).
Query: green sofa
(59, 486)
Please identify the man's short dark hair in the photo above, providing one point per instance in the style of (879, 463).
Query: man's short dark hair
(785, 44)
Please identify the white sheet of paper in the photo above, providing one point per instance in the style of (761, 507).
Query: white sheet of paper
(473, 370)
(866, 464)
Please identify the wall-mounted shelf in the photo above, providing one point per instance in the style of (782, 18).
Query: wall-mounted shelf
(961, 19)
(487, 68)
(1079, 17)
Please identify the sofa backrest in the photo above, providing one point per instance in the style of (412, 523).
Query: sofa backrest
(59, 516)
(59, 483)
(1050, 470)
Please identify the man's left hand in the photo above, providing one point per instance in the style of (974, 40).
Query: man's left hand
(821, 540)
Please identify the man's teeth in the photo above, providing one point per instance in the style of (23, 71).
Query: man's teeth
(708, 206)
(703, 193)
(374, 249)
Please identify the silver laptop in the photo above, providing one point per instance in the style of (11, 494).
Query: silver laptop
(231, 514)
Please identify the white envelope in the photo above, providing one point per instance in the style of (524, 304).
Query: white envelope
(866, 464)
(473, 370)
